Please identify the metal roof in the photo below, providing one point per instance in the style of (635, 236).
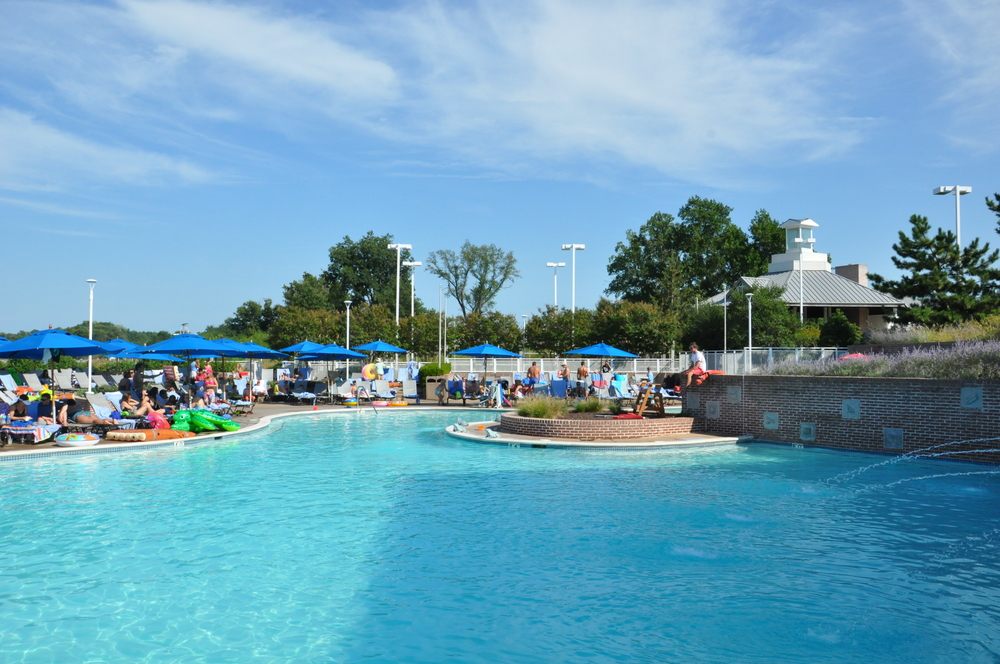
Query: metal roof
(819, 289)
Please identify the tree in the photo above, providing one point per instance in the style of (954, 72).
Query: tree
(994, 205)
(648, 267)
(636, 327)
(373, 323)
(838, 331)
(104, 331)
(486, 266)
(766, 239)
(950, 285)
(712, 246)
(252, 317)
(490, 328)
(293, 325)
(550, 331)
(774, 324)
(365, 271)
(706, 328)
(419, 334)
(309, 292)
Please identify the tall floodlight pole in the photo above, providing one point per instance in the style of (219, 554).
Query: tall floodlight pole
(413, 285)
(399, 248)
(555, 282)
(90, 358)
(347, 343)
(573, 249)
(959, 191)
(748, 365)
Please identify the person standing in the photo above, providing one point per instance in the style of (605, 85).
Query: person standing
(534, 376)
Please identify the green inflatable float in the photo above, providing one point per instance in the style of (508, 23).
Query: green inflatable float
(201, 420)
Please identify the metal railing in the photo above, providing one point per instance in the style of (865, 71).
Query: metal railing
(735, 361)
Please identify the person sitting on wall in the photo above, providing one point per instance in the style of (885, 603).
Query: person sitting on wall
(697, 367)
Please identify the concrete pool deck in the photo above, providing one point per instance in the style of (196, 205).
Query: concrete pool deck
(265, 413)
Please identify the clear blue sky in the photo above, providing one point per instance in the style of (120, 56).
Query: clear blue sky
(193, 155)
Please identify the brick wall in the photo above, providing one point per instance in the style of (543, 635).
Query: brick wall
(599, 429)
(894, 415)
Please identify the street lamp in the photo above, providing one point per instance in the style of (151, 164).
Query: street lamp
(572, 248)
(90, 358)
(524, 322)
(413, 286)
(749, 361)
(959, 191)
(399, 248)
(347, 303)
(555, 281)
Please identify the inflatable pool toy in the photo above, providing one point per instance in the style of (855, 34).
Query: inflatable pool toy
(157, 421)
(398, 403)
(368, 372)
(380, 403)
(202, 420)
(350, 402)
(147, 434)
(77, 440)
(182, 421)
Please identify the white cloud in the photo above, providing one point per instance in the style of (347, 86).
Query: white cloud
(34, 155)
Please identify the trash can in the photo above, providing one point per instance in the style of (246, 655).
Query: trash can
(431, 386)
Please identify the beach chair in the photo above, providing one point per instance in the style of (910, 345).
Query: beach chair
(341, 392)
(8, 382)
(62, 378)
(100, 381)
(410, 390)
(32, 381)
(382, 390)
(322, 391)
(104, 408)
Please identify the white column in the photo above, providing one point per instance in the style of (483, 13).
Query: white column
(90, 333)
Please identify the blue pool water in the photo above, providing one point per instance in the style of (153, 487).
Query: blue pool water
(361, 538)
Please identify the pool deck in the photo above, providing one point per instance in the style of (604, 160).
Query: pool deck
(476, 432)
(264, 413)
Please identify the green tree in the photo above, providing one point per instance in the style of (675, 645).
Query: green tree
(293, 325)
(636, 327)
(365, 271)
(766, 239)
(373, 323)
(838, 331)
(419, 334)
(705, 327)
(309, 292)
(994, 205)
(950, 285)
(550, 331)
(774, 324)
(252, 317)
(491, 327)
(105, 331)
(713, 248)
(475, 275)
(647, 267)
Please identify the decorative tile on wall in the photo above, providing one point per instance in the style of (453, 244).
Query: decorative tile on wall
(771, 421)
(892, 439)
(807, 431)
(850, 409)
(712, 410)
(734, 394)
(972, 397)
(693, 401)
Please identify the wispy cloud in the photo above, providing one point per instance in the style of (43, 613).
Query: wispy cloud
(34, 155)
(57, 209)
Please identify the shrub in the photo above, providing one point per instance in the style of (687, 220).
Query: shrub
(547, 408)
(972, 360)
(838, 331)
(433, 369)
(588, 406)
(616, 407)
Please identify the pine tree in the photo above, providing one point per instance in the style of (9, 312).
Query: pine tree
(950, 286)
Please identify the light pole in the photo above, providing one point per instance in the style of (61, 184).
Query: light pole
(413, 285)
(573, 248)
(959, 191)
(90, 358)
(399, 248)
(524, 322)
(555, 282)
(347, 345)
(725, 323)
(748, 365)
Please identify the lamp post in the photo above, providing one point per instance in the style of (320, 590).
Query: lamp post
(555, 281)
(90, 358)
(959, 191)
(399, 248)
(573, 248)
(748, 365)
(524, 322)
(347, 344)
(413, 285)
(725, 325)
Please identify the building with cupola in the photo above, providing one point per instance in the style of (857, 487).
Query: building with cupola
(808, 281)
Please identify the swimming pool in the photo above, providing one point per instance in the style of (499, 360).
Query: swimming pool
(342, 539)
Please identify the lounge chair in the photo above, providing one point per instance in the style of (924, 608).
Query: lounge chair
(410, 390)
(381, 389)
(8, 382)
(31, 380)
(100, 381)
(63, 380)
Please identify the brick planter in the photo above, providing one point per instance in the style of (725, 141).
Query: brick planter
(894, 415)
(599, 429)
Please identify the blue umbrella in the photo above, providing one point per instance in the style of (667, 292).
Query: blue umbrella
(486, 350)
(600, 350)
(381, 347)
(332, 352)
(302, 347)
(52, 343)
(130, 355)
(256, 351)
(121, 344)
(188, 345)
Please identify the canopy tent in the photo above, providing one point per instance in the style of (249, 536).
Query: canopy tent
(600, 350)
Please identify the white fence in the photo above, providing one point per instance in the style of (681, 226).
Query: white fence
(734, 361)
